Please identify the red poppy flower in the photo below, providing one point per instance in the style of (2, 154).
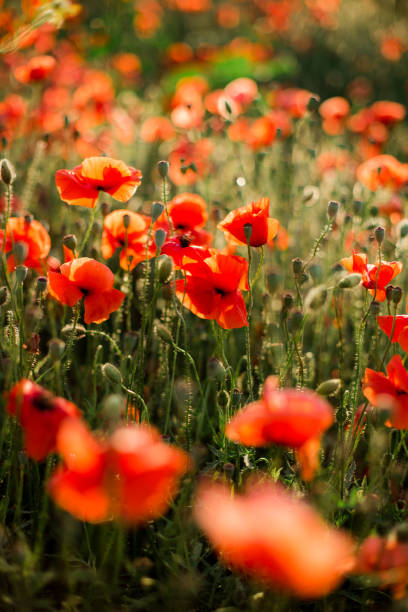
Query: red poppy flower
(256, 214)
(400, 334)
(40, 414)
(88, 279)
(33, 235)
(374, 277)
(387, 560)
(388, 112)
(261, 133)
(389, 391)
(271, 536)
(132, 476)
(37, 69)
(81, 186)
(288, 417)
(115, 234)
(212, 289)
(157, 128)
(334, 112)
(382, 171)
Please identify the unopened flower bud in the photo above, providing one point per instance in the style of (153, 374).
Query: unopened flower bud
(21, 273)
(157, 209)
(165, 269)
(287, 301)
(328, 387)
(388, 292)
(126, 221)
(215, 369)
(295, 321)
(159, 238)
(163, 168)
(56, 349)
(358, 207)
(20, 252)
(222, 398)
(350, 281)
(379, 234)
(4, 295)
(332, 209)
(112, 373)
(272, 281)
(42, 283)
(112, 407)
(7, 172)
(297, 265)
(164, 333)
(70, 242)
(375, 307)
(403, 228)
(396, 295)
(248, 232)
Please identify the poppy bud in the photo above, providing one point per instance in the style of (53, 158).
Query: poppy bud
(316, 297)
(350, 281)
(287, 301)
(403, 228)
(375, 307)
(164, 333)
(328, 387)
(313, 104)
(157, 209)
(163, 168)
(126, 221)
(248, 232)
(42, 283)
(358, 207)
(222, 398)
(70, 242)
(105, 209)
(7, 172)
(159, 238)
(165, 268)
(56, 348)
(112, 407)
(297, 265)
(379, 234)
(396, 295)
(272, 281)
(4, 295)
(21, 273)
(20, 252)
(129, 342)
(303, 278)
(332, 209)
(388, 292)
(295, 321)
(215, 369)
(112, 373)
(316, 271)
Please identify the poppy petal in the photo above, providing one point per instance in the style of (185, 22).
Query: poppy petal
(63, 289)
(99, 306)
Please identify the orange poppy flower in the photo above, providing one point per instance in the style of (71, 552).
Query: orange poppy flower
(400, 333)
(261, 133)
(212, 289)
(288, 417)
(115, 234)
(389, 391)
(392, 48)
(40, 414)
(382, 171)
(273, 537)
(375, 277)
(33, 235)
(189, 161)
(334, 112)
(256, 214)
(81, 186)
(37, 69)
(388, 112)
(157, 128)
(132, 476)
(242, 90)
(387, 560)
(88, 279)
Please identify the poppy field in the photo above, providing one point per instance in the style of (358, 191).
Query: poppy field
(203, 305)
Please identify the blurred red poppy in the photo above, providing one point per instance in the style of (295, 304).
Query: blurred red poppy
(255, 214)
(81, 186)
(35, 238)
(289, 417)
(88, 279)
(385, 559)
(389, 391)
(36, 69)
(400, 327)
(383, 171)
(274, 537)
(40, 414)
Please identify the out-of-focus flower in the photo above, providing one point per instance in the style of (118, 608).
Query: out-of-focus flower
(88, 279)
(375, 277)
(273, 537)
(385, 559)
(81, 186)
(37, 69)
(334, 112)
(288, 417)
(35, 238)
(383, 171)
(398, 326)
(40, 414)
(157, 128)
(389, 391)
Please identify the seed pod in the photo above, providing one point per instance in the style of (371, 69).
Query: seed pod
(163, 168)
(126, 221)
(157, 209)
(297, 265)
(248, 232)
(379, 234)
(159, 238)
(112, 373)
(287, 301)
(332, 209)
(396, 295)
(70, 242)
